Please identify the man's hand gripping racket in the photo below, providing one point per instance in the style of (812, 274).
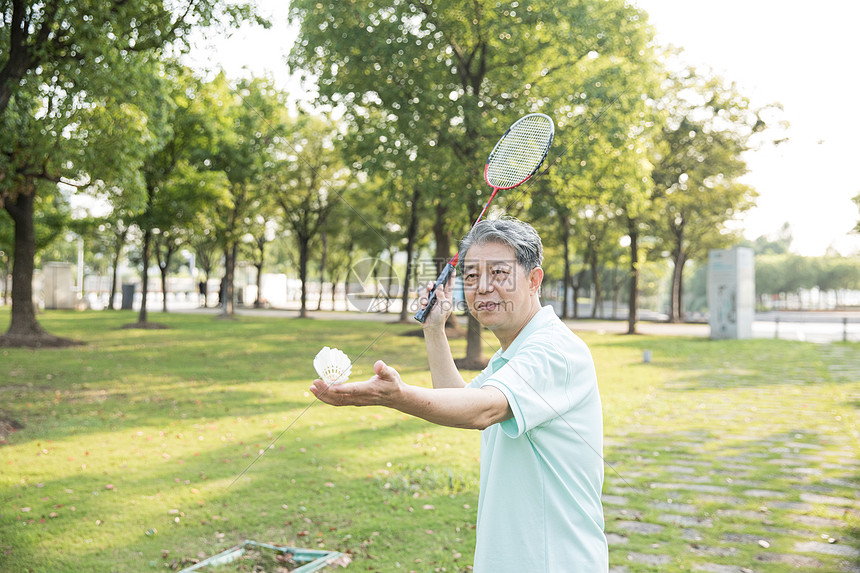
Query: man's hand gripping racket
(515, 158)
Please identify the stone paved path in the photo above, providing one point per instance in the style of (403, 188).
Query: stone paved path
(720, 477)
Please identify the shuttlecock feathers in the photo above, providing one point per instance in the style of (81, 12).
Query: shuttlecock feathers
(332, 365)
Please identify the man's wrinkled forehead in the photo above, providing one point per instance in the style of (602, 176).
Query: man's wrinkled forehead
(474, 263)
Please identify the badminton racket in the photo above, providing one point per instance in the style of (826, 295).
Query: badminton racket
(515, 158)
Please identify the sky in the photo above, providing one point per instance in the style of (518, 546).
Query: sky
(803, 56)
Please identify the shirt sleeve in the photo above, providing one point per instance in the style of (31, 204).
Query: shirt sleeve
(541, 382)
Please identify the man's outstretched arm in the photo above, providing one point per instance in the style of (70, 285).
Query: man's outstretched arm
(472, 408)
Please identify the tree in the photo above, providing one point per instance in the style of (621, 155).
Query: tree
(857, 200)
(776, 244)
(205, 246)
(307, 184)
(179, 184)
(262, 225)
(698, 160)
(118, 224)
(72, 96)
(249, 151)
(447, 78)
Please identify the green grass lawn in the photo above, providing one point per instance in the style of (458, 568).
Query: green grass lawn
(131, 445)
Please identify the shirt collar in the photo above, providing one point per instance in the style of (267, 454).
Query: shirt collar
(543, 318)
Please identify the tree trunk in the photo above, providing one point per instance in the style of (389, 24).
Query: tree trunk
(334, 277)
(163, 268)
(261, 243)
(24, 321)
(258, 302)
(229, 273)
(443, 250)
(565, 241)
(304, 244)
(117, 252)
(474, 346)
(411, 236)
(205, 290)
(576, 286)
(597, 299)
(164, 271)
(6, 281)
(676, 308)
(323, 254)
(616, 291)
(144, 277)
(634, 276)
(676, 311)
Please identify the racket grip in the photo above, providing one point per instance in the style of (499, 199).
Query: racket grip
(421, 315)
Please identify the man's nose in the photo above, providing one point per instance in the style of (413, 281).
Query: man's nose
(485, 283)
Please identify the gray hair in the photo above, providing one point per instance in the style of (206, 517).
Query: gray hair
(520, 236)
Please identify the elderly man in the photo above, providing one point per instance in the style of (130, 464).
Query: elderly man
(537, 406)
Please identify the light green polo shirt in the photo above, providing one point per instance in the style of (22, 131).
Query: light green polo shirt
(539, 507)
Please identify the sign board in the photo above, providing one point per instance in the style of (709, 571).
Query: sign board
(731, 292)
(59, 286)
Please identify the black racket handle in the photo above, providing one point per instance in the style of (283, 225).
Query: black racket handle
(421, 315)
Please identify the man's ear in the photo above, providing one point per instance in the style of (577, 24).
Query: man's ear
(535, 279)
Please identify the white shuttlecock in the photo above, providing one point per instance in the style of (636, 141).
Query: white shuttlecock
(332, 365)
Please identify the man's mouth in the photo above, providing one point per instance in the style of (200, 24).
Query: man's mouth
(487, 306)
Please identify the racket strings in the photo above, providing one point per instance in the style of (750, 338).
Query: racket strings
(520, 152)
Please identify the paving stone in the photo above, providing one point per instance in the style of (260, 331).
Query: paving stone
(691, 487)
(743, 482)
(764, 493)
(802, 445)
(717, 568)
(799, 533)
(679, 469)
(789, 559)
(786, 462)
(720, 499)
(756, 516)
(641, 527)
(790, 505)
(679, 507)
(694, 463)
(615, 539)
(648, 558)
(619, 569)
(803, 471)
(685, 520)
(706, 551)
(740, 467)
(749, 457)
(815, 521)
(826, 549)
(691, 535)
(745, 538)
(615, 499)
(843, 483)
(841, 466)
(622, 514)
(829, 500)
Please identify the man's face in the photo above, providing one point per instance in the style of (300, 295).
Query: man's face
(498, 289)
